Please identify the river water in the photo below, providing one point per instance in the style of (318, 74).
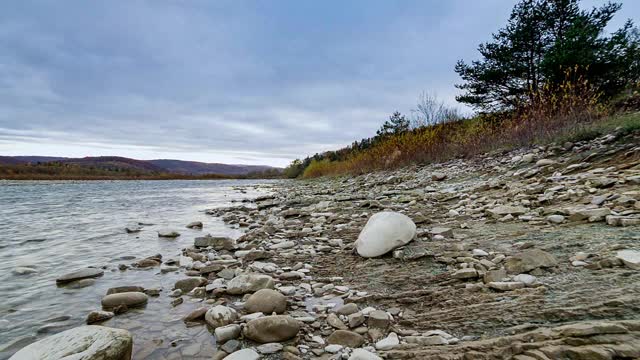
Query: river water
(57, 227)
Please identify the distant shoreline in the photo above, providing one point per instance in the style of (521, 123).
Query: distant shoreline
(133, 178)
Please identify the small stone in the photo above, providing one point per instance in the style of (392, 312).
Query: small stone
(379, 319)
(347, 309)
(80, 274)
(195, 225)
(99, 316)
(128, 299)
(220, 315)
(506, 285)
(269, 348)
(168, 234)
(466, 273)
(227, 332)
(244, 354)
(555, 219)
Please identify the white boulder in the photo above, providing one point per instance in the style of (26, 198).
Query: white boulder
(384, 232)
(90, 342)
(220, 315)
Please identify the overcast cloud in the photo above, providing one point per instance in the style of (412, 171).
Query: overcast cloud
(254, 82)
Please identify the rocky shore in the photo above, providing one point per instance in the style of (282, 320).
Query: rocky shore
(527, 254)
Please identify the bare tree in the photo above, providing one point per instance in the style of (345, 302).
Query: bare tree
(430, 111)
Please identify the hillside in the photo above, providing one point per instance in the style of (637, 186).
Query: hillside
(200, 168)
(107, 167)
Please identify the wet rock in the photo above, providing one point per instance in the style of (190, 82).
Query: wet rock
(220, 316)
(195, 225)
(99, 316)
(631, 258)
(79, 284)
(249, 283)
(89, 342)
(23, 270)
(384, 232)
(195, 315)
(346, 338)
(244, 354)
(145, 263)
(168, 234)
(227, 332)
(230, 346)
(78, 275)
(128, 299)
(188, 284)
(272, 328)
(266, 301)
(529, 260)
(121, 289)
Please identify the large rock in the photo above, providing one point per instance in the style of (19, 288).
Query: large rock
(529, 260)
(217, 242)
(220, 315)
(80, 274)
(384, 232)
(129, 299)
(346, 338)
(82, 343)
(272, 328)
(266, 301)
(631, 258)
(189, 284)
(249, 283)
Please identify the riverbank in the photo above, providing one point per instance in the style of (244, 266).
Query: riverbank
(526, 254)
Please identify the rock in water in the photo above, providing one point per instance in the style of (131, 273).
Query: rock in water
(129, 299)
(272, 328)
(631, 258)
(266, 301)
(80, 274)
(384, 232)
(83, 343)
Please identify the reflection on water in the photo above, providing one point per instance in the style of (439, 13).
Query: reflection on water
(59, 226)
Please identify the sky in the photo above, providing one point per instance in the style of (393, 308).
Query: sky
(231, 81)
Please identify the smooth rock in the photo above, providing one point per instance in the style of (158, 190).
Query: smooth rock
(272, 328)
(80, 274)
(362, 354)
(266, 301)
(384, 232)
(99, 316)
(168, 234)
(188, 284)
(89, 342)
(270, 348)
(244, 354)
(631, 258)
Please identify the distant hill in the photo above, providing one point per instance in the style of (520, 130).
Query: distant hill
(200, 168)
(121, 164)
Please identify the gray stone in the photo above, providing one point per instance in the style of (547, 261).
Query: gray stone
(249, 283)
(80, 274)
(99, 316)
(346, 338)
(244, 354)
(227, 332)
(129, 299)
(220, 315)
(188, 284)
(216, 242)
(89, 342)
(529, 260)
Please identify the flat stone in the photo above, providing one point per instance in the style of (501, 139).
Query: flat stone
(506, 285)
(266, 301)
(227, 332)
(529, 260)
(244, 354)
(99, 316)
(631, 258)
(80, 274)
(249, 283)
(188, 284)
(466, 273)
(89, 342)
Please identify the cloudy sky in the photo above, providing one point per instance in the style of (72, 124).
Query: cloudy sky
(253, 82)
